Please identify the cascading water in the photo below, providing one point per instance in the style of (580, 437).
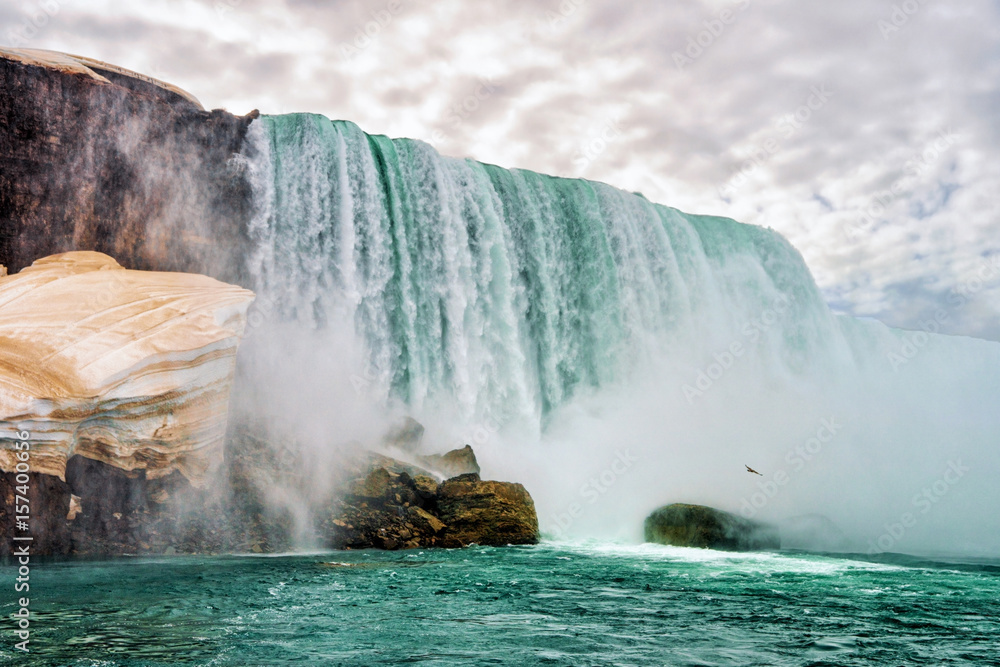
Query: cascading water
(617, 354)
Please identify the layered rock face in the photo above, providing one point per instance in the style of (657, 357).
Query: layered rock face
(99, 158)
(130, 368)
(685, 525)
(121, 380)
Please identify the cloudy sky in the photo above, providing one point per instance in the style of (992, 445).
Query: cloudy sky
(866, 131)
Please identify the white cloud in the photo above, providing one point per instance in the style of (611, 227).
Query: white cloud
(561, 71)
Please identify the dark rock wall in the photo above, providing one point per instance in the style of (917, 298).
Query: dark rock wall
(142, 174)
(131, 171)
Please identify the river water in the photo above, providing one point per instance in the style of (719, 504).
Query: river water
(552, 604)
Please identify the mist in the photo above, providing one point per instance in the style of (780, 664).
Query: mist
(610, 354)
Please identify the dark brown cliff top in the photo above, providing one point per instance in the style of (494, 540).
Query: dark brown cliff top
(102, 72)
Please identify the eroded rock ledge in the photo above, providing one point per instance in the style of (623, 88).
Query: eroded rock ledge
(130, 368)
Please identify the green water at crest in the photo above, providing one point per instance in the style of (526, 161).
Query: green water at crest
(545, 605)
(506, 291)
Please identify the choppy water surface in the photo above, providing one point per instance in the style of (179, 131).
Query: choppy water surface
(546, 605)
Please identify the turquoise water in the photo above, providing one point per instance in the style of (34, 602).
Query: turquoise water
(541, 605)
(555, 324)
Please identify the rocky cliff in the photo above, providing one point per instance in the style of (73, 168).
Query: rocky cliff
(95, 157)
(129, 369)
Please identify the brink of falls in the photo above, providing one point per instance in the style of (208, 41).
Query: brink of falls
(611, 353)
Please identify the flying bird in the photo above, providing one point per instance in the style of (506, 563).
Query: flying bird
(749, 469)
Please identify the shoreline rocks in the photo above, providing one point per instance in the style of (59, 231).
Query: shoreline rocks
(684, 525)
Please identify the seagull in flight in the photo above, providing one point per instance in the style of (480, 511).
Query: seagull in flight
(749, 469)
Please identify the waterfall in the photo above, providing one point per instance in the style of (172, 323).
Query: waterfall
(590, 316)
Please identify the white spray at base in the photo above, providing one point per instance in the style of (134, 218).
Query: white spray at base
(611, 354)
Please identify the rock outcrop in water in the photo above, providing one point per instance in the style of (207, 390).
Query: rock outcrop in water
(121, 381)
(402, 507)
(683, 525)
(96, 157)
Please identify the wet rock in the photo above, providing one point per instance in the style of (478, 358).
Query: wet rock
(406, 435)
(425, 487)
(455, 462)
(686, 525)
(386, 510)
(424, 522)
(486, 512)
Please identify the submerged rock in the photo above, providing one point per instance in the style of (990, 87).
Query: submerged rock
(685, 525)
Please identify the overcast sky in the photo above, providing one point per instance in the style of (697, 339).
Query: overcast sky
(865, 131)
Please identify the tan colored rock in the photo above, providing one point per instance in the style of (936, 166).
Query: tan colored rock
(425, 487)
(424, 521)
(486, 512)
(80, 65)
(376, 485)
(451, 464)
(131, 368)
(74, 508)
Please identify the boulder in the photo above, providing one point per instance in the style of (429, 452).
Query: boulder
(453, 463)
(406, 435)
(390, 510)
(685, 525)
(486, 512)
